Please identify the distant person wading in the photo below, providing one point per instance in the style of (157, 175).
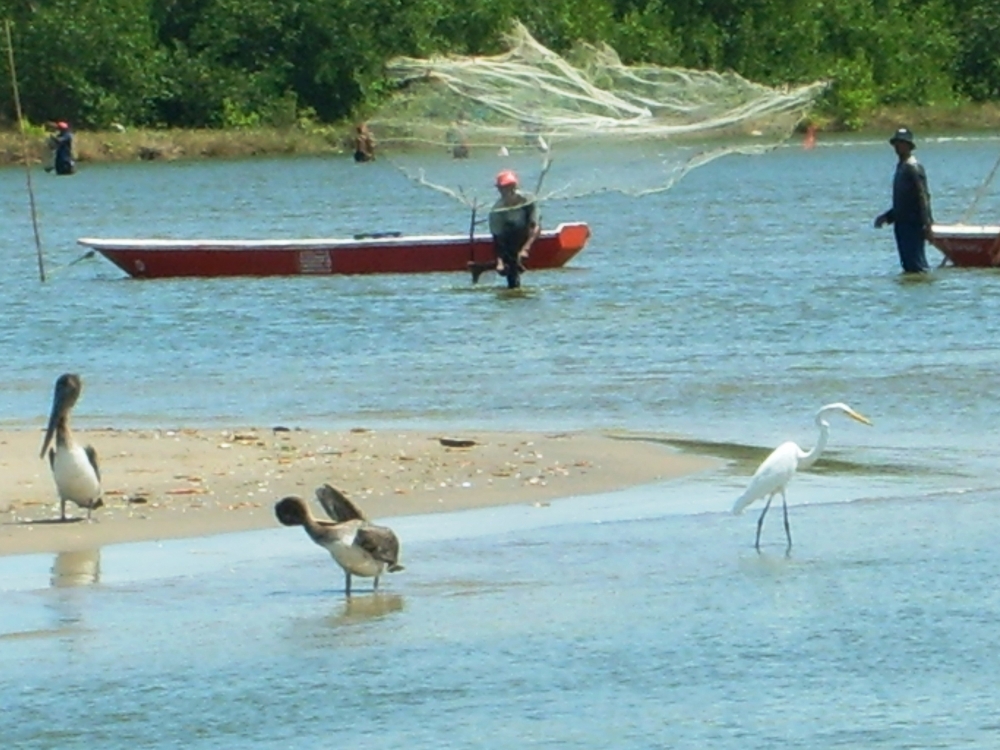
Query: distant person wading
(910, 214)
(364, 144)
(61, 143)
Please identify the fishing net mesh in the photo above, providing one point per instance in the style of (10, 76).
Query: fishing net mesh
(573, 125)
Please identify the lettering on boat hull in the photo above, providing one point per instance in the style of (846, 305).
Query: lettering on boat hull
(315, 261)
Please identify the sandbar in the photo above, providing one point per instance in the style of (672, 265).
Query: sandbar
(165, 484)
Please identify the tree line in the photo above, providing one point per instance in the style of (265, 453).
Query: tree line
(245, 63)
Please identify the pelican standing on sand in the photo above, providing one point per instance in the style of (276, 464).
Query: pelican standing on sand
(74, 467)
(778, 469)
(358, 546)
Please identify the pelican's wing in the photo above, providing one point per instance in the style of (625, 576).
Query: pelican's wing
(380, 543)
(92, 457)
(337, 506)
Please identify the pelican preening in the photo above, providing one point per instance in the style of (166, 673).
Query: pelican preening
(358, 546)
(74, 467)
(777, 471)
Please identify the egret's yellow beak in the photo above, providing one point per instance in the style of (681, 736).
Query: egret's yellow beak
(859, 417)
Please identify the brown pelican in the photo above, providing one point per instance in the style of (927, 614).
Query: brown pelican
(358, 546)
(74, 467)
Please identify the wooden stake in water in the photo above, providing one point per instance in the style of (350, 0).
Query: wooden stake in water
(24, 151)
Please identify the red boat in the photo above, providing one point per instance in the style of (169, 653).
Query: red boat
(387, 252)
(968, 246)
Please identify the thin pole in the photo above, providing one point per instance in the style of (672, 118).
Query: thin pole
(24, 152)
(541, 177)
(472, 233)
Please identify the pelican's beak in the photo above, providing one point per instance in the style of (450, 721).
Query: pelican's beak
(62, 402)
(53, 421)
(859, 417)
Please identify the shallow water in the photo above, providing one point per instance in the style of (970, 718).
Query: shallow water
(725, 310)
(721, 314)
(561, 627)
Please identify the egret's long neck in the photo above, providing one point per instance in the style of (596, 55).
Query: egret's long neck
(824, 434)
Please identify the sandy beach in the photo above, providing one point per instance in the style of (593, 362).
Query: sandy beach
(178, 483)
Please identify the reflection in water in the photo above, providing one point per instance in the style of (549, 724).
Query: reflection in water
(361, 608)
(71, 570)
(81, 568)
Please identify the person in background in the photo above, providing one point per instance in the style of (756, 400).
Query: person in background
(910, 214)
(514, 225)
(364, 144)
(457, 138)
(459, 144)
(61, 142)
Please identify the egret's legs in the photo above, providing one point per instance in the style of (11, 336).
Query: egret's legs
(347, 584)
(788, 531)
(760, 522)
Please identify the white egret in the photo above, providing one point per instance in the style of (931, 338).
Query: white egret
(777, 470)
(358, 546)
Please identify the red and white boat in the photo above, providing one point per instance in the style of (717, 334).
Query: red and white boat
(968, 245)
(387, 252)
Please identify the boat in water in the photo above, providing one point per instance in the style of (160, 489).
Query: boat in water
(968, 245)
(385, 252)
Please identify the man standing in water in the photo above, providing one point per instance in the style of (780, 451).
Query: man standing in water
(61, 142)
(514, 226)
(364, 144)
(910, 214)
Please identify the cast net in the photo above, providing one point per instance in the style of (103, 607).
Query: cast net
(574, 125)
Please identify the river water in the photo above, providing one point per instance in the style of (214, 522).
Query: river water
(719, 316)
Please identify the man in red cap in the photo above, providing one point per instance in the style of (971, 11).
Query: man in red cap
(62, 143)
(514, 226)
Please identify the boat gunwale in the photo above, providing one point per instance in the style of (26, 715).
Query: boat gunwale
(341, 243)
(966, 231)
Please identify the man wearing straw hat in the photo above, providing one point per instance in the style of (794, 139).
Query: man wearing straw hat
(910, 214)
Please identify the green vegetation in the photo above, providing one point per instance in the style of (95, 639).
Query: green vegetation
(250, 64)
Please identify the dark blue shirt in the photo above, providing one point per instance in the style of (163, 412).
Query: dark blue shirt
(62, 143)
(911, 201)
